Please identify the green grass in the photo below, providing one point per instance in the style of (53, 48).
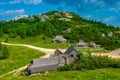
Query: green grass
(19, 57)
(94, 50)
(47, 43)
(36, 41)
(98, 74)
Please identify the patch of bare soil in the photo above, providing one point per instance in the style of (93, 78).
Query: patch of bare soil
(113, 54)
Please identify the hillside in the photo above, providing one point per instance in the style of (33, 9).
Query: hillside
(68, 24)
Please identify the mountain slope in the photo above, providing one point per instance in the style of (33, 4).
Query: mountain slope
(68, 24)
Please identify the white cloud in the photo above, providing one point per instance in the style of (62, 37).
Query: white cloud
(12, 12)
(15, 1)
(93, 1)
(98, 19)
(32, 1)
(26, 1)
(101, 3)
(109, 19)
(88, 16)
(18, 17)
(114, 9)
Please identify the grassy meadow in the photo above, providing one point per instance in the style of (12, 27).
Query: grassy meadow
(94, 50)
(21, 31)
(36, 41)
(19, 57)
(47, 43)
(98, 74)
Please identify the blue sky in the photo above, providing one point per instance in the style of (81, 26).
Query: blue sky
(107, 11)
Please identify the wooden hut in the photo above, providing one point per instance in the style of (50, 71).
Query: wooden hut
(81, 44)
(57, 52)
(70, 54)
(103, 35)
(93, 44)
(45, 64)
(59, 39)
(52, 63)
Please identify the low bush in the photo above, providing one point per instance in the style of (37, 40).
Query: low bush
(87, 61)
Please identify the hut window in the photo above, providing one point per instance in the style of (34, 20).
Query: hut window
(72, 55)
(31, 62)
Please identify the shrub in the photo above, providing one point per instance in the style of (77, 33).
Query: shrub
(87, 61)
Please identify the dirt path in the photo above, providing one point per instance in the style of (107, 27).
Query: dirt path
(113, 54)
(15, 71)
(47, 52)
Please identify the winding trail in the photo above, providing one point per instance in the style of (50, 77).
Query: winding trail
(15, 71)
(48, 52)
(113, 54)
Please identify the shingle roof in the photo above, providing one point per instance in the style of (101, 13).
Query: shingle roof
(70, 49)
(103, 35)
(44, 62)
(93, 44)
(60, 38)
(81, 42)
(57, 52)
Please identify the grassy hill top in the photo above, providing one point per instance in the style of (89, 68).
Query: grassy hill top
(68, 24)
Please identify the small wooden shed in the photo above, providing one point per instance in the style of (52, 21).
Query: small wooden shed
(70, 54)
(81, 44)
(93, 44)
(45, 64)
(57, 52)
(52, 63)
(59, 39)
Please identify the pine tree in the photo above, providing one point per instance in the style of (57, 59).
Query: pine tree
(0, 46)
(0, 50)
(1, 32)
(5, 52)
